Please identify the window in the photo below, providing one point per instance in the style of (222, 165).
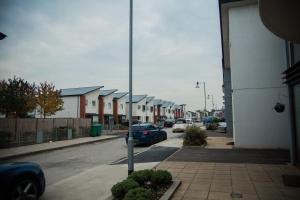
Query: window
(94, 103)
(86, 102)
(109, 105)
(139, 107)
(122, 108)
(151, 109)
(144, 108)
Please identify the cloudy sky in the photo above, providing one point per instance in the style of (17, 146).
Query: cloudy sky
(85, 43)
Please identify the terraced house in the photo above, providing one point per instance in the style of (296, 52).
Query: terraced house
(80, 102)
(138, 107)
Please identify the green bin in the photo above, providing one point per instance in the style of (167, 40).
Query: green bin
(96, 130)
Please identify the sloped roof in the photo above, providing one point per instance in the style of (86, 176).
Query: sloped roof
(166, 104)
(148, 99)
(157, 102)
(136, 98)
(107, 92)
(119, 95)
(78, 91)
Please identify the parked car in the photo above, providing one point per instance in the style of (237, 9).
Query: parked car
(169, 123)
(21, 181)
(180, 125)
(222, 127)
(147, 133)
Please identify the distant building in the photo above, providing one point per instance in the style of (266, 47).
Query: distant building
(150, 109)
(106, 106)
(138, 107)
(79, 102)
(119, 107)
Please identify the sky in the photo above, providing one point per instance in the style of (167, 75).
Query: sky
(85, 43)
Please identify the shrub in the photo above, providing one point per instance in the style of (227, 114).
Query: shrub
(141, 176)
(139, 194)
(120, 189)
(212, 126)
(161, 177)
(195, 136)
(216, 120)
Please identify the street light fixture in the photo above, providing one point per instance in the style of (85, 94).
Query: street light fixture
(197, 86)
(2, 36)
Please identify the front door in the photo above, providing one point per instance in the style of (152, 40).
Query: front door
(297, 120)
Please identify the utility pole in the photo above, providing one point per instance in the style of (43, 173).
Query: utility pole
(130, 139)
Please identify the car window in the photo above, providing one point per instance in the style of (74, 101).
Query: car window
(139, 128)
(181, 122)
(151, 127)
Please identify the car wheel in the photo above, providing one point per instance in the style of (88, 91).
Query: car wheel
(25, 188)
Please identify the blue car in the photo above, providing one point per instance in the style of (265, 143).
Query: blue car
(22, 181)
(147, 133)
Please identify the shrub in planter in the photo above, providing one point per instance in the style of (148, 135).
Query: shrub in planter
(161, 177)
(212, 126)
(216, 120)
(120, 189)
(195, 136)
(142, 176)
(139, 194)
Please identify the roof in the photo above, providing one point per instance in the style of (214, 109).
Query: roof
(148, 99)
(78, 91)
(107, 92)
(119, 95)
(166, 104)
(157, 102)
(136, 98)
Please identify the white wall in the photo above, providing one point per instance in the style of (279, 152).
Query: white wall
(122, 110)
(71, 108)
(90, 97)
(108, 104)
(257, 59)
(140, 112)
(149, 113)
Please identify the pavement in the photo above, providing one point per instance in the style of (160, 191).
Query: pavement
(217, 171)
(92, 184)
(9, 153)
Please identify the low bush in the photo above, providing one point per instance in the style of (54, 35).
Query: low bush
(161, 177)
(212, 126)
(139, 194)
(120, 189)
(142, 176)
(195, 136)
(216, 120)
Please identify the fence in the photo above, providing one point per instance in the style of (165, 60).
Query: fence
(18, 132)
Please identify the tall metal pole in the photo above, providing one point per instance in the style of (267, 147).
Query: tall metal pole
(130, 140)
(204, 98)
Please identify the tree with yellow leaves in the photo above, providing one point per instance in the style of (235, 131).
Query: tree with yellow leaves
(48, 99)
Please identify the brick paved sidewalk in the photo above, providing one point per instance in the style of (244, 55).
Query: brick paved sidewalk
(204, 180)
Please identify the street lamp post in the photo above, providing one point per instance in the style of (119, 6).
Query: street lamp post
(197, 86)
(130, 139)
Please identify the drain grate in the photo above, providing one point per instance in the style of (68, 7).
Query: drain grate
(236, 195)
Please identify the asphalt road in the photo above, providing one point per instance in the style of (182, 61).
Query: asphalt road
(63, 163)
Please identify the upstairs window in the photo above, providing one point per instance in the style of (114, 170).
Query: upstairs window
(94, 103)
(139, 107)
